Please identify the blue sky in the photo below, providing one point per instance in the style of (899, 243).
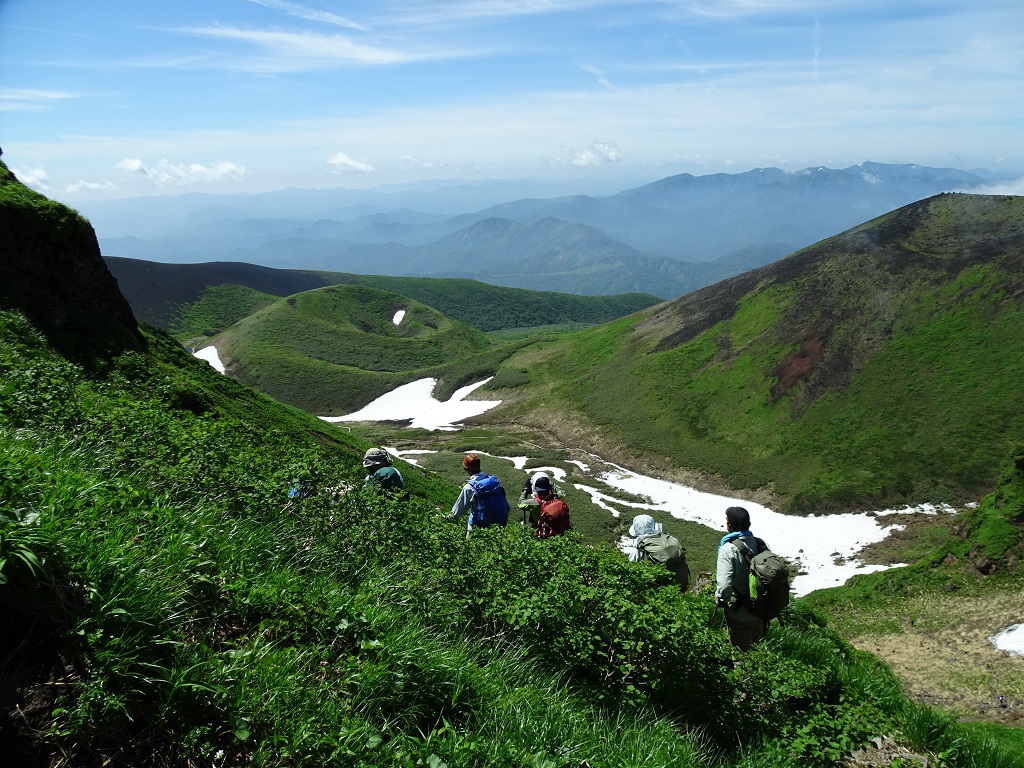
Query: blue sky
(117, 98)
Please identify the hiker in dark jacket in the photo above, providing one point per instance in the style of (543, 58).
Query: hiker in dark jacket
(553, 519)
(378, 464)
(732, 590)
(529, 503)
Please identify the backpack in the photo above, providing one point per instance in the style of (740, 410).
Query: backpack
(300, 489)
(554, 519)
(769, 581)
(490, 507)
(666, 550)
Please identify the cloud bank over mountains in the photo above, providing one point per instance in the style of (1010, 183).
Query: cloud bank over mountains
(269, 94)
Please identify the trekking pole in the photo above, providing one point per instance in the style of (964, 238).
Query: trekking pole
(713, 615)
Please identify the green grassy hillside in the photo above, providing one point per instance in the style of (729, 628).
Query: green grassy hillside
(884, 365)
(217, 308)
(164, 603)
(493, 308)
(334, 349)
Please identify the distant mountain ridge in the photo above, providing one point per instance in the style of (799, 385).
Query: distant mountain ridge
(667, 237)
(160, 293)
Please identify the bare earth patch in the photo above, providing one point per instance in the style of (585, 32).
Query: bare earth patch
(944, 658)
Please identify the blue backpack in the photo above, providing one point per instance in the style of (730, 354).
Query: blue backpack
(490, 507)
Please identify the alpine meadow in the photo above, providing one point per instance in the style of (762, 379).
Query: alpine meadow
(165, 601)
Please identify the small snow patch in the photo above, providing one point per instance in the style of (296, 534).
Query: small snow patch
(399, 316)
(209, 354)
(1010, 640)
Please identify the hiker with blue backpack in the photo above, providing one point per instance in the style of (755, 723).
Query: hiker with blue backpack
(482, 496)
(752, 583)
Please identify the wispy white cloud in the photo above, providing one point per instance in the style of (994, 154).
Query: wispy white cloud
(35, 178)
(28, 99)
(89, 186)
(599, 75)
(729, 9)
(816, 47)
(598, 153)
(1003, 188)
(342, 163)
(165, 173)
(309, 14)
(279, 51)
(292, 48)
(410, 161)
(446, 11)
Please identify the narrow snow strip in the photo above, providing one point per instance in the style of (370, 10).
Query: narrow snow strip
(1010, 640)
(825, 547)
(416, 403)
(403, 455)
(399, 316)
(209, 354)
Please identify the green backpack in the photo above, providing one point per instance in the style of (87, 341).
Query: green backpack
(769, 581)
(666, 550)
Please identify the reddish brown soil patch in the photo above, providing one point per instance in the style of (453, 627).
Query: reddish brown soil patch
(799, 365)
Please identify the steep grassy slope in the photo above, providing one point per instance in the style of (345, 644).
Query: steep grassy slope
(883, 365)
(335, 349)
(191, 299)
(164, 603)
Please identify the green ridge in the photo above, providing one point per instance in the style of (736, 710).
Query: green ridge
(334, 349)
(857, 373)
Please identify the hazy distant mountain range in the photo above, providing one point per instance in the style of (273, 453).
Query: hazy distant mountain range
(665, 238)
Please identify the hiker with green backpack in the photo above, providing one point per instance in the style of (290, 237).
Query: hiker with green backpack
(651, 543)
(752, 583)
(381, 472)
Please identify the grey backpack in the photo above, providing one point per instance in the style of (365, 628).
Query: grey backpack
(669, 552)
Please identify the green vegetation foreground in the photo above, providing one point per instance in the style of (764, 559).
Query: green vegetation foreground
(164, 604)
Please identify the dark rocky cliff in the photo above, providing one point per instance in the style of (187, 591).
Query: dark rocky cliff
(52, 271)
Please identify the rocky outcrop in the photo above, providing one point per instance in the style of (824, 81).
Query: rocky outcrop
(52, 271)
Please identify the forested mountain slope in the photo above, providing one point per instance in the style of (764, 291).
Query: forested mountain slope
(193, 298)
